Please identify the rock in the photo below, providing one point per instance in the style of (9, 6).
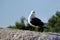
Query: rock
(15, 34)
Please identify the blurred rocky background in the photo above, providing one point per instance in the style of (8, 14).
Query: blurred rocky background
(15, 34)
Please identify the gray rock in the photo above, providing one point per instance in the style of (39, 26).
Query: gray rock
(15, 34)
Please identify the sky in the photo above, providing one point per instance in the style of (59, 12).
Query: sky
(12, 10)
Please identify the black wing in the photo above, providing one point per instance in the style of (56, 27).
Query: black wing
(37, 22)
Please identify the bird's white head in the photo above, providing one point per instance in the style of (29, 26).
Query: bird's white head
(32, 14)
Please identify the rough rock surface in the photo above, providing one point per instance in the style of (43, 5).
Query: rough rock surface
(14, 34)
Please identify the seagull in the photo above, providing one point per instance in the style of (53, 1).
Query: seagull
(35, 22)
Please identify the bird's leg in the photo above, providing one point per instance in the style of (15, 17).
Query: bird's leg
(36, 28)
(41, 29)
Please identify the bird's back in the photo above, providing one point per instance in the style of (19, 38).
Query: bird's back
(37, 22)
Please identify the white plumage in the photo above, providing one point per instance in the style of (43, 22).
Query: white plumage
(31, 15)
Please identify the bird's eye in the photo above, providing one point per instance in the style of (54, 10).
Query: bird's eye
(33, 12)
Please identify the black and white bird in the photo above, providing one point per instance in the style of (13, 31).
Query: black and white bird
(36, 22)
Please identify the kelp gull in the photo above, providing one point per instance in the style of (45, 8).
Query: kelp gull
(34, 21)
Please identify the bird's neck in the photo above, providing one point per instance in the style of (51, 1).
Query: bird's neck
(31, 16)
